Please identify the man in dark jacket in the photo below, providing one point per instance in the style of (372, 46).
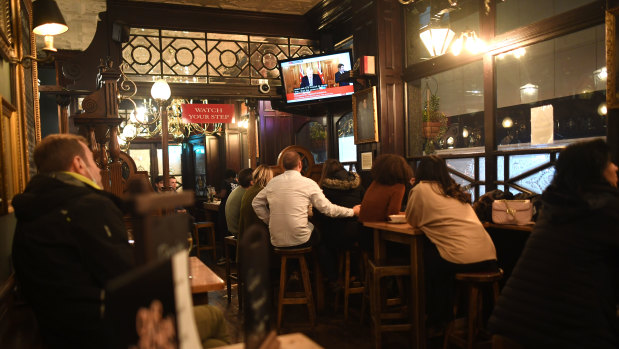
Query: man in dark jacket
(70, 239)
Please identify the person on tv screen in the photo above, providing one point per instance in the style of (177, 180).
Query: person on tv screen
(311, 79)
(338, 76)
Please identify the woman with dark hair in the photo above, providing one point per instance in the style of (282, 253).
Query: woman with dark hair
(342, 188)
(390, 173)
(456, 241)
(564, 290)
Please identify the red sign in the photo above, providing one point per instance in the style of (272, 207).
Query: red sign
(207, 113)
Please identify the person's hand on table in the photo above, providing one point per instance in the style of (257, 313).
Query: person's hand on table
(356, 210)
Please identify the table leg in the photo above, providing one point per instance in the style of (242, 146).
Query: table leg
(417, 304)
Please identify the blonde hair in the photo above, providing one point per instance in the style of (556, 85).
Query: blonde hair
(262, 175)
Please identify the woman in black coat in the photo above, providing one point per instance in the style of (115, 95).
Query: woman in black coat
(564, 291)
(342, 188)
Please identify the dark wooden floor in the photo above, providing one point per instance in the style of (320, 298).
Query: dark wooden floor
(331, 331)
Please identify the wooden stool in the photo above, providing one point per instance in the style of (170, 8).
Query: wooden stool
(232, 242)
(475, 282)
(304, 297)
(378, 301)
(211, 226)
(348, 288)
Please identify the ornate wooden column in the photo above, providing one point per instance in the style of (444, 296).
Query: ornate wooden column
(252, 131)
(99, 124)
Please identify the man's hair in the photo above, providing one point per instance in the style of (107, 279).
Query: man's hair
(262, 175)
(56, 152)
(340, 65)
(245, 177)
(389, 169)
(158, 179)
(230, 173)
(290, 160)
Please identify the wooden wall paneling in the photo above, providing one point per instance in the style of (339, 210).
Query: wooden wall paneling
(233, 150)
(214, 172)
(390, 68)
(276, 132)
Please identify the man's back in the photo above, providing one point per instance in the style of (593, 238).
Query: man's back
(69, 241)
(289, 196)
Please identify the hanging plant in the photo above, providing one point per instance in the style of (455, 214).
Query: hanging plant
(434, 122)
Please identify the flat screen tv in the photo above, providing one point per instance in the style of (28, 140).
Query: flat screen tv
(317, 77)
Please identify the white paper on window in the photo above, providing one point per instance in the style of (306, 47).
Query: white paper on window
(542, 131)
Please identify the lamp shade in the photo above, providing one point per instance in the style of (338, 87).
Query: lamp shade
(436, 40)
(160, 90)
(47, 18)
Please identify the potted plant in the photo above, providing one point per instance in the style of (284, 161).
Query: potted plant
(434, 122)
(432, 118)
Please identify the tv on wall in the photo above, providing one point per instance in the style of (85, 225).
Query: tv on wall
(317, 77)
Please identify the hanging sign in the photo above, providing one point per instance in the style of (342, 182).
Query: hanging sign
(207, 113)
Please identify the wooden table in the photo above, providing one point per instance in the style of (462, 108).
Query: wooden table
(203, 281)
(405, 234)
(286, 341)
(212, 206)
(527, 227)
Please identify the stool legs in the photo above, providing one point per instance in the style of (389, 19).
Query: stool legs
(308, 290)
(306, 298)
(282, 291)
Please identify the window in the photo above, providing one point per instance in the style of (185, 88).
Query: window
(313, 136)
(346, 139)
(552, 92)
(456, 101)
(517, 13)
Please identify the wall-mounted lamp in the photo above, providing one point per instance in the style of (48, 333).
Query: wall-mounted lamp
(436, 39)
(468, 41)
(507, 122)
(47, 20)
(529, 93)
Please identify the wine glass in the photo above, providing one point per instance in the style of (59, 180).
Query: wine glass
(189, 248)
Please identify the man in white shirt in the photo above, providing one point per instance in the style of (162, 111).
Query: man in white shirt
(284, 204)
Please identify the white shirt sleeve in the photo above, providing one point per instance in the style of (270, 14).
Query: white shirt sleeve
(260, 205)
(322, 204)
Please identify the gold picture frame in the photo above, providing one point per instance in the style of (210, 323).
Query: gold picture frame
(7, 50)
(365, 119)
(612, 59)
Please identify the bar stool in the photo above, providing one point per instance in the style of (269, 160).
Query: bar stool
(304, 297)
(348, 288)
(208, 225)
(231, 242)
(475, 283)
(383, 321)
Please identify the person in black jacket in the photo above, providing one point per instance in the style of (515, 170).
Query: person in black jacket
(70, 239)
(342, 188)
(563, 292)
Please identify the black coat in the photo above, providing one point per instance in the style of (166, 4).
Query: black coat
(70, 239)
(345, 190)
(563, 290)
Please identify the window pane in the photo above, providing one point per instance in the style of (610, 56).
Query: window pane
(552, 91)
(427, 14)
(517, 13)
(346, 139)
(174, 154)
(141, 158)
(458, 95)
(313, 136)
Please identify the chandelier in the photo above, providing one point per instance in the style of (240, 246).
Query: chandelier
(143, 120)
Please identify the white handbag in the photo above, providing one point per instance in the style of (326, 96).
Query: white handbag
(519, 212)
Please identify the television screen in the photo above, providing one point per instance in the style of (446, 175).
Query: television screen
(316, 77)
